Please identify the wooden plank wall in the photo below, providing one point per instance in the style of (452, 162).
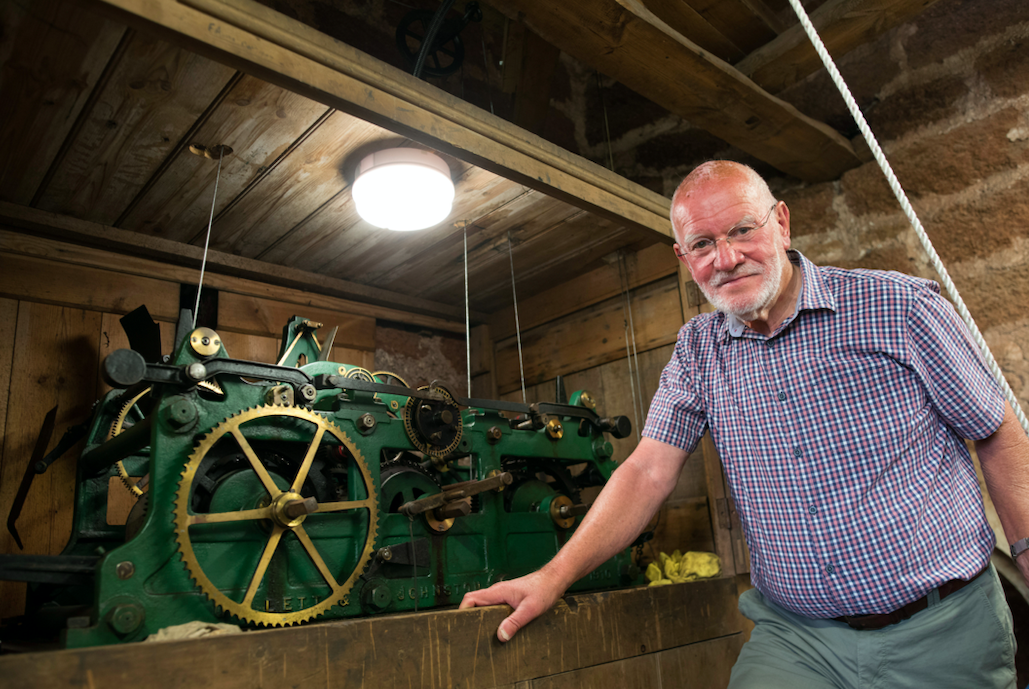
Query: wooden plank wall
(59, 311)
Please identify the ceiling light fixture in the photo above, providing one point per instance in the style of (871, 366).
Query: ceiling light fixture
(403, 189)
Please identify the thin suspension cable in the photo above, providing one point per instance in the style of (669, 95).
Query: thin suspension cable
(607, 128)
(467, 314)
(518, 329)
(632, 330)
(485, 64)
(207, 239)
(905, 204)
(637, 389)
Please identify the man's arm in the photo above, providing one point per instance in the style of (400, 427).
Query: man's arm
(1004, 457)
(624, 507)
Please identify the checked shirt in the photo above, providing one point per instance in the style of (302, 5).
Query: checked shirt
(841, 436)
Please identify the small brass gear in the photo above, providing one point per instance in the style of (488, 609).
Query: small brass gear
(434, 426)
(117, 426)
(272, 518)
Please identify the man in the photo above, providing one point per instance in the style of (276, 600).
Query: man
(838, 401)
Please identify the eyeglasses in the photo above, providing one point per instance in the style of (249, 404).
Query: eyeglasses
(740, 237)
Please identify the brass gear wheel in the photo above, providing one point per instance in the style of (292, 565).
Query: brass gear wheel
(434, 427)
(117, 426)
(320, 552)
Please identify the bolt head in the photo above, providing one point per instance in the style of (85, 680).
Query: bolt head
(125, 570)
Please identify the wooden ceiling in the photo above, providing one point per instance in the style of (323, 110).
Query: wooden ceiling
(100, 111)
(98, 121)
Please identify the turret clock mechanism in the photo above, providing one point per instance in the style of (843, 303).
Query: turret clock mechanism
(270, 495)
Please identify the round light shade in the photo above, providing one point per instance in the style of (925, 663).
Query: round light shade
(403, 189)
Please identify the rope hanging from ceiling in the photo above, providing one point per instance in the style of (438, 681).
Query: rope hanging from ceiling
(898, 191)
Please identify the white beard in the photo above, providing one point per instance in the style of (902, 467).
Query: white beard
(741, 307)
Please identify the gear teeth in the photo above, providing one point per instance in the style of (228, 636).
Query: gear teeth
(226, 607)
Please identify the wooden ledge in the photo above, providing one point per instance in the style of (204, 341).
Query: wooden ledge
(648, 630)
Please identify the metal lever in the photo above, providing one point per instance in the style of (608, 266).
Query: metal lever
(456, 492)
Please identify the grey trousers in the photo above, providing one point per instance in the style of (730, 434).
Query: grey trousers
(963, 641)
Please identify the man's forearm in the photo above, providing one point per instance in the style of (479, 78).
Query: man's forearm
(624, 507)
(1004, 457)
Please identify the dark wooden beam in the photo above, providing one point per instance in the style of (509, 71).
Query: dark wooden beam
(841, 24)
(626, 41)
(388, 304)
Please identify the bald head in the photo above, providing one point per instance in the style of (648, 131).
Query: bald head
(721, 175)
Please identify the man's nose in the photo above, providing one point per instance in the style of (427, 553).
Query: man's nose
(726, 256)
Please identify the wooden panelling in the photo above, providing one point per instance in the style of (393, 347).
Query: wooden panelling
(317, 173)
(149, 101)
(256, 316)
(50, 282)
(435, 650)
(53, 53)
(259, 122)
(649, 264)
(54, 363)
(592, 337)
(701, 666)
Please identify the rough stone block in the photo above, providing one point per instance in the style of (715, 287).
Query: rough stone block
(811, 210)
(917, 106)
(950, 26)
(1006, 68)
(982, 227)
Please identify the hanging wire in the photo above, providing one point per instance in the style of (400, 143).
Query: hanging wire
(635, 386)
(607, 128)
(905, 204)
(207, 239)
(518, 329)
(467, 314)
(485, 64)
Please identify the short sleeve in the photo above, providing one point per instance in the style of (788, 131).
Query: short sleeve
(960, 387)
(677, 415)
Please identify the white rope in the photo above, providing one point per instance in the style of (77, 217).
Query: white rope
(207, 240)
(905, 204)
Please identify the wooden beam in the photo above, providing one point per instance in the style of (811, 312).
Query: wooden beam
(626, 41)
(688, 22)
(157, 252)
(841, 24)
(440, 648)
(262, 42)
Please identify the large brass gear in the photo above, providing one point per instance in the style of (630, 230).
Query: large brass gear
(276, 515)
(434, 427)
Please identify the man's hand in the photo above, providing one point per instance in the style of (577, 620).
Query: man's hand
(530, 596)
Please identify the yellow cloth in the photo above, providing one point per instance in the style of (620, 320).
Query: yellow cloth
(679, 567)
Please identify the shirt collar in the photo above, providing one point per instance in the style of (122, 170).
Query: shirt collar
(814, 295)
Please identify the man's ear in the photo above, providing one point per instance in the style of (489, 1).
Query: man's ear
(782, 214)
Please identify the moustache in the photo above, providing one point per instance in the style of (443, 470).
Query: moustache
(720, 278)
